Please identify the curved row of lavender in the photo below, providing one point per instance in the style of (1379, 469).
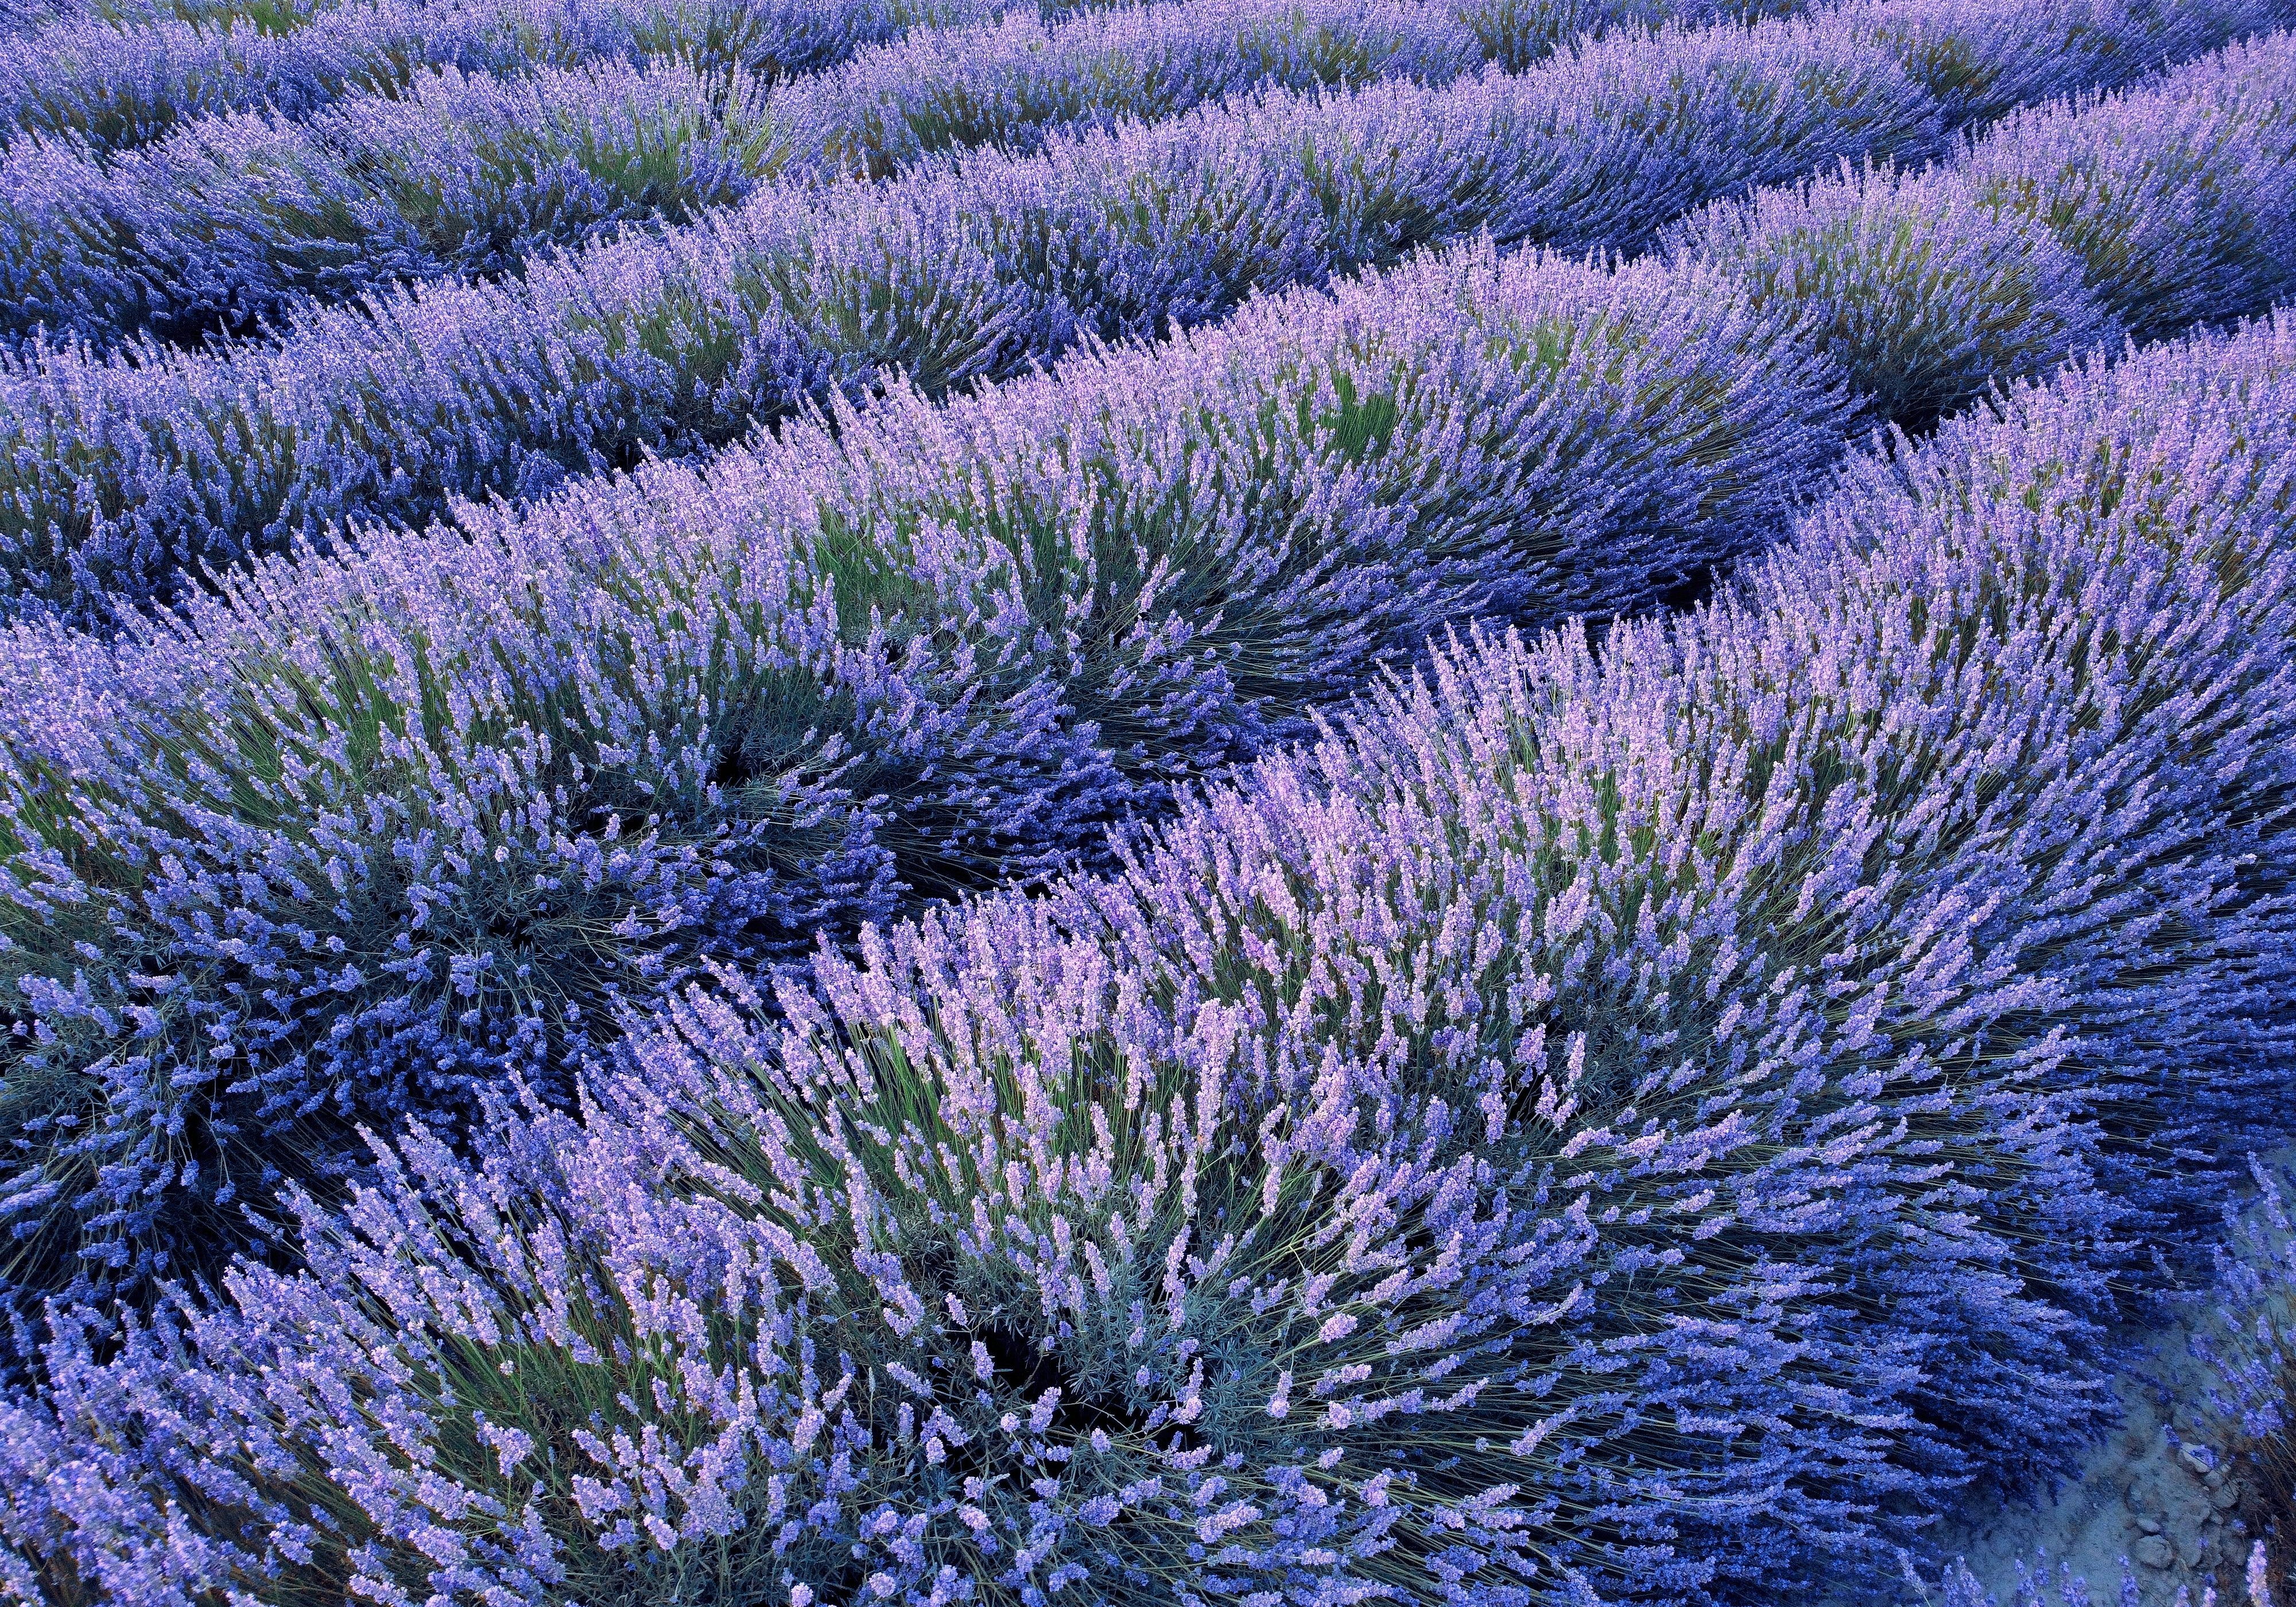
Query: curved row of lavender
(221, 226)
(122, 478)
(230, 221)
(368, 836)
(1638, 1125)
(111, 84)
(20, 19)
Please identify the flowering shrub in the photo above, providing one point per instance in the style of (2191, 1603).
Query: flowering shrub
(1926, 296)
(1983, 60)
(117, 82)
(2166, 206)
(1014, 82)
(2199, 1069)
(228, 220)
(1638, 1127)
(1516, 34)
(2182, 208)
(362, 833)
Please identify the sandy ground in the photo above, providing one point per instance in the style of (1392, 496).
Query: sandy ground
(2146, 1503)
(2145, 1500)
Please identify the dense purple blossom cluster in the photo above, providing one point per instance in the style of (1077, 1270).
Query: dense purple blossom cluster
(2254, 1357)
(382, 828)
(1983, 60)
(1924, 293)
(866, 801)
(2251, 1346)
(122, 476)
(1630, 1126)
(2178, 207)
(2138, 213)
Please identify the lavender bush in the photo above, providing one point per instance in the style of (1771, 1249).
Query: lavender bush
(483, 171)
(2253, 1359)
(28, 18)
(1984, 60)
(2181, 207)
(1926, 296)
(270, 16)
(379, 832)
(230, 220)
(1015, 80)
(117, 82)
(2165, 206)
(1513, 35)
(1626, 1128)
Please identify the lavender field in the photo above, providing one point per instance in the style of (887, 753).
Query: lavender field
(1234, 803)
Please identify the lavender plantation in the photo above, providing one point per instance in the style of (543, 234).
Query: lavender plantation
(231, 218)
(228, 220)
(140, 469)
(516, 776)
(1562, 1057)
(1271, 802)
(114, 83)
(951, 276)
(815, 681)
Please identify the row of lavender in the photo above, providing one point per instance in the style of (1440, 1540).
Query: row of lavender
(122, 478)
(115, 83)
(231, 220)
(1636, 1126)
(363, 837)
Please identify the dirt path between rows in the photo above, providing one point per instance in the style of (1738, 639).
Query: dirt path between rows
(2145, 1494)
(2148, 1492)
